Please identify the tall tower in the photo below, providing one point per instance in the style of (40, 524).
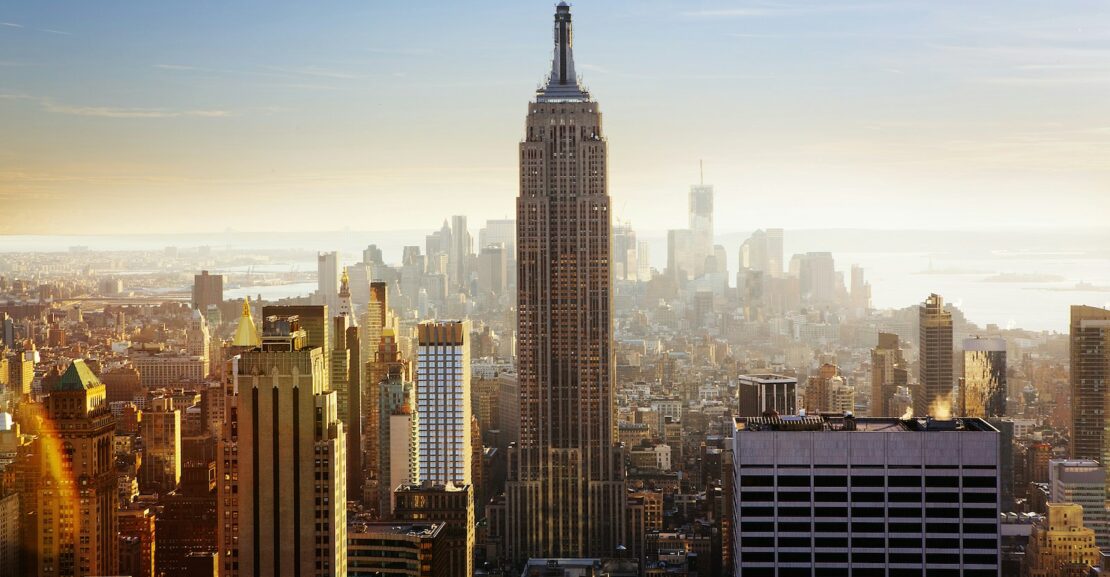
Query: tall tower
(934, 358)
(327, 280)
(701, 225)
(565, 491)
(70, 492)
(291, 514)
(443, 402)
(1090, 374)
(345, 308)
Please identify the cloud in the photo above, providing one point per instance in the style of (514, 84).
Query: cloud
(51, 105)
(766, 10)
(117, 112)
(11, 25)
(52, 31)
(315, 71)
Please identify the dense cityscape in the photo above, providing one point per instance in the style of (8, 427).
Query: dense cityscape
(534, 396)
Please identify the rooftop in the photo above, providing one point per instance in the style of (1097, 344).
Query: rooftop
(848, 423)
(77, 377)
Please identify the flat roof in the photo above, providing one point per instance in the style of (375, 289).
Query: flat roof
(845, 423)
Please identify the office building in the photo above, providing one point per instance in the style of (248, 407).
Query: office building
(443, 402)
(680, 255)
(888, 372)
(934, 387)
(390, 386)
(700, 221)
(765, 393)
(397, 442)
(450, 504)
(396, 550)
(865, 496)
(1082, 482)
(353, 422)
(207, 290)
(11, 562)
(817, 277)
(493, 271)
(327, 279)
(289, 510)
(160, 428)
(625, 253)
(565, 493)
(461, 247)
(1090, 377)
(983, 385)
(69, 493)
(502, 232)
(137, 535)
(1061, 541)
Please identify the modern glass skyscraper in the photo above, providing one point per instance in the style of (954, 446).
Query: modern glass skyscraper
(565, 492)
(983, 386)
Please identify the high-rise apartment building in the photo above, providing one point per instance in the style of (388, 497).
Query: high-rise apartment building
(1082, 482)
(160, 428)
(289, 510)
(983, 385)
(1090, 377)
(443, 402)
(935, 353)
(208, 289)
(820, 495)
(888, 372)
(565, 492)
(70, 494)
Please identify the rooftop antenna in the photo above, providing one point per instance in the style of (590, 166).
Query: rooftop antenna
(701, 169)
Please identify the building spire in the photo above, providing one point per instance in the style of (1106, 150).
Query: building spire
(562, 82)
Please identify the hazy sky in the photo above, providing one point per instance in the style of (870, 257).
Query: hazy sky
(199, 116)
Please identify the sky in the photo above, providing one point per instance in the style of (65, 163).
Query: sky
(149, 117)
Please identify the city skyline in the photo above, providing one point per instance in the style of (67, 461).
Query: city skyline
(972, 108)
(872, 374)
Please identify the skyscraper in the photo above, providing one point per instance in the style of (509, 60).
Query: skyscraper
(983, 386)
(291, 512)
(459, 258)
(1090, 375)
(70, 494)
(565, 492)
(888, 372)
(934, 359)
(207, 290)
(866, 496)
(443, 402)
(327, 269)
(161, 432)
(700, 218)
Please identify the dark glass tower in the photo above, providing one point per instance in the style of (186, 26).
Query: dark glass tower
(565, 492)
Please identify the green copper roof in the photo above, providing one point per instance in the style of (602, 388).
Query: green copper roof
(77, 377)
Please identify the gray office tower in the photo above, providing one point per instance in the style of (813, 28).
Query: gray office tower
(820, 496)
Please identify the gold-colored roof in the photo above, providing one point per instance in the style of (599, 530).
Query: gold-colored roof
(246, 334)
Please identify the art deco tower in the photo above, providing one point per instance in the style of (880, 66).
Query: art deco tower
(565, 493)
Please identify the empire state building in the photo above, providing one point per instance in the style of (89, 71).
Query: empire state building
(565, 491)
